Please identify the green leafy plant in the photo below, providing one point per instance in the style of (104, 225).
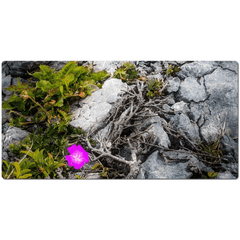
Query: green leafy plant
(92, 142)
(46, 103)
(103, 170)
(126, 72)
(50, 97)
(172, 70)
(213, 149)
(154, 87)
(211, 175)
(44, 166)
(48, 139)
(78, 177)
(19, 171)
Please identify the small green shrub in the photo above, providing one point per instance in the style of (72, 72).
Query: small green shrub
(20, 171)
(172, 70)
(103, 170)
(46, 103)
(154, 87)
(38, 166)
(211, 175)
(126, 72)
(50, 97)
(213, 149)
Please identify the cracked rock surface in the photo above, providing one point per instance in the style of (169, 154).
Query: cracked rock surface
(155, 167)
(96, 108)
(204, 96)
(222, 86)
(13, 135)
(192, 90)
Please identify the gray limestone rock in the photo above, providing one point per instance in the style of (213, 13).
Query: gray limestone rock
(230, 65)
(179, 155)
(194, 165)
(155, 76)
(230, 146)
(194, 114)
(166, 108)
(149, 70)
(180, 107)
(225, 175)
(199, 112)
(181, 62)
(154, 126)
(4, 156)
(6, 82)
(157, 67)
(5, 69)
(196, 69)
(155, 167)
(142, 71)
(21, 80)
(210, 131)
(170, 101)
(222, 85)
(183, 122)
(173, 85)
(58, 65)
(93, 176)
(198, 167)
(13, 135)
(21, 68)
(192, 90)
(231, 167)
(228, 159)
(7, 98)
(96, 108)
(4, 128)
(5, 116)
(109, 66)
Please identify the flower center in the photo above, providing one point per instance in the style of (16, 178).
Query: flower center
(77, 156)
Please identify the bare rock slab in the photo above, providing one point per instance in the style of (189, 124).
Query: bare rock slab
(154, 127)
(13, 135)
(109, 66)
(222, 85)
(5, 116)
(196, 69)
(183, 122)
(96, 108)
(180, 107)
(6, 82)
(173, 85)
(155, 167)
(225, 175)
(192, 90)
(230, 65)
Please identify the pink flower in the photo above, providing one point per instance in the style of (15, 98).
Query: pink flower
(78, 156)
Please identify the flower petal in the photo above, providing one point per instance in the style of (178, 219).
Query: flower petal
(79, 148)
(70, 160)
(78, 165)
(72, 149)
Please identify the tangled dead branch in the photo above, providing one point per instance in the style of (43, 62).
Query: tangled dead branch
(122, 132)
(123, 128)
